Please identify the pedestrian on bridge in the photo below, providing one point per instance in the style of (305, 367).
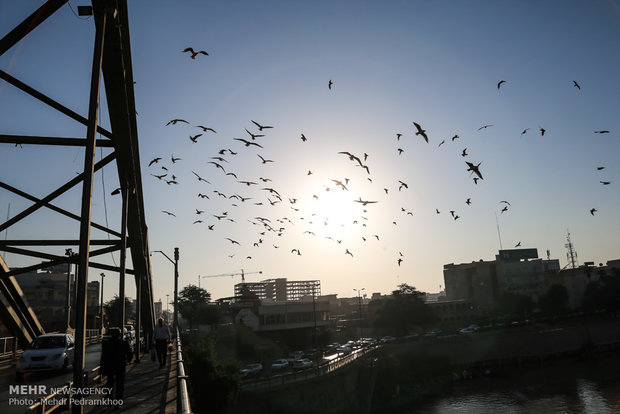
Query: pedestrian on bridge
(162, 338)
(115, 355)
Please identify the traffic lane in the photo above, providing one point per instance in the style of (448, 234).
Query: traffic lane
(49, 379)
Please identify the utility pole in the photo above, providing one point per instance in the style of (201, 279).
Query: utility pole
(359, 299)
(167, 310)
(175, 262)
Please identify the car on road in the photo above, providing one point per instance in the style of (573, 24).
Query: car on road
(49, 352)
(279, 364)
(302, 363)
(252, 369)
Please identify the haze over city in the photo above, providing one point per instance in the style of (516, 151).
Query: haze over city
(527, 92)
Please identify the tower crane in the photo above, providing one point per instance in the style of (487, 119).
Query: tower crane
(242, 274)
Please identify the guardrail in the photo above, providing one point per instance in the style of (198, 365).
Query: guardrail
(306, 374)
(41, 407)
(183, 403)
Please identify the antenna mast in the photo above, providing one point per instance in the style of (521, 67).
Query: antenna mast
(499, 236)
(571, 255)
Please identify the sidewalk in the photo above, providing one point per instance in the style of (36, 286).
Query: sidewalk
(148, 389)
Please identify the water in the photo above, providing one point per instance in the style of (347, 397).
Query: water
(591, 388)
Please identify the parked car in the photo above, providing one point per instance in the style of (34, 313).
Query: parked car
(252, 369)
(386, 339)
(344, 350)
(295, 355)
(302, 363)
(279, 364)
(50, 352)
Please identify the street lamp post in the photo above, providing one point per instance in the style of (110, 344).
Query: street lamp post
(101, 307)
(359, 299)
(175, 262)
(68, 252)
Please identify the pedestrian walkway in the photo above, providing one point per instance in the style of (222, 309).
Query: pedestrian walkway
(148, 389)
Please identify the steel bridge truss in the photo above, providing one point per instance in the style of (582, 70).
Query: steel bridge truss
(112, 59)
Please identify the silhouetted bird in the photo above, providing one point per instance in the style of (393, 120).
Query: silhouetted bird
(518, 244)
(194, 138)
(194, 54)
(604, 131)
(605, 182)
(592, 211)
(154, 161)
(542, 131)
(474, 169)
(261, 127)
(576, 85)
(500, 84)
(168, 213)
(206, 129)
(485, 126)
(254, 136)
(329, 85)
(248, 143)
(174, 121)
(303, 138)
(421, 132)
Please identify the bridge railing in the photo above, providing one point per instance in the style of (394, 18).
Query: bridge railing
(183, 403)
(306, 374)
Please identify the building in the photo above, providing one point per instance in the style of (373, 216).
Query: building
(46, 293)
(482, 283)
(280, 289)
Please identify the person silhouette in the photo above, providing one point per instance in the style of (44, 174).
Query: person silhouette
(115, 355)
(162, 337)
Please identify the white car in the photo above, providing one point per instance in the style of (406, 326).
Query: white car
(279, 364)
(252, 369)
(50, 352)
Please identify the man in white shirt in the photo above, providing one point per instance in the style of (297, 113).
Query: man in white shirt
(162, 337)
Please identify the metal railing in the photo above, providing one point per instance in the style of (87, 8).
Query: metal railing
(183, 403)
(306, 374)
(42, 406)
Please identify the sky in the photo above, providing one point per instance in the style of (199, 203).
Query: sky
(435, 63)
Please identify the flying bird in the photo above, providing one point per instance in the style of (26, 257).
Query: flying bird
(154, 161)
(364, 202)
(542, 131)
(468, 202)
(248, 143)
(500, 84)
(518, 244)
(441, 143)
(505, 202)
(524, 131)
(194, 54)
(174, 160)
(303, 138)
(261, 127)
(194, 138)
(604, 131)
(329, 85)
(200, 178)
(399, 261)
(464, 153)
(605, 182)
(592, 211)
(600, 168)
(159, 176)
(474, 168)
(174, 121)
(421, 132)
(233, 241)
(485, 126)
(206, 129)
(576, 85)
(168, 213)
(254, 136)
(400, 151)
(398, 137)
(348, 252)
(264, 160)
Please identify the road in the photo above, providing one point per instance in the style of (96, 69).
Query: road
(50, 380)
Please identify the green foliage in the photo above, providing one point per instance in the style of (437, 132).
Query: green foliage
(603, 294)
(214, 386)
(514, 306)
(113, 310)
(192, 304)
(554, 301)
(402, 311)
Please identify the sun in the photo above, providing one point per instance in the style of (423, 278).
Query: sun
(333, 212)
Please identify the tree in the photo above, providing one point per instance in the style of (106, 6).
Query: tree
(191, 299)
(402, 311)
(554, 301)
(113, 310)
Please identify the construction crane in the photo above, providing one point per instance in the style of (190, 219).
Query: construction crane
(242, 274)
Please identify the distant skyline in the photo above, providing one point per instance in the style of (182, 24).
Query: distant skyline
(522, 90)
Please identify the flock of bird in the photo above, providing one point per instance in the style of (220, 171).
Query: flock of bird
(264, 193)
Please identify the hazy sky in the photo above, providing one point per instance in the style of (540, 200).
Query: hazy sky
(392, 63)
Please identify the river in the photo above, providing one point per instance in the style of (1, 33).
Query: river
(560, 387)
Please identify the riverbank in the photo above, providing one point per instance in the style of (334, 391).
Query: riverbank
(414, 372)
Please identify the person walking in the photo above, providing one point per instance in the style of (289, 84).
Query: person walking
(162, 337)
(115, 355)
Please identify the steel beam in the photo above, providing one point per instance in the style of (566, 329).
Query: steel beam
(36, 140)
(89, 170)
(29, 24)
